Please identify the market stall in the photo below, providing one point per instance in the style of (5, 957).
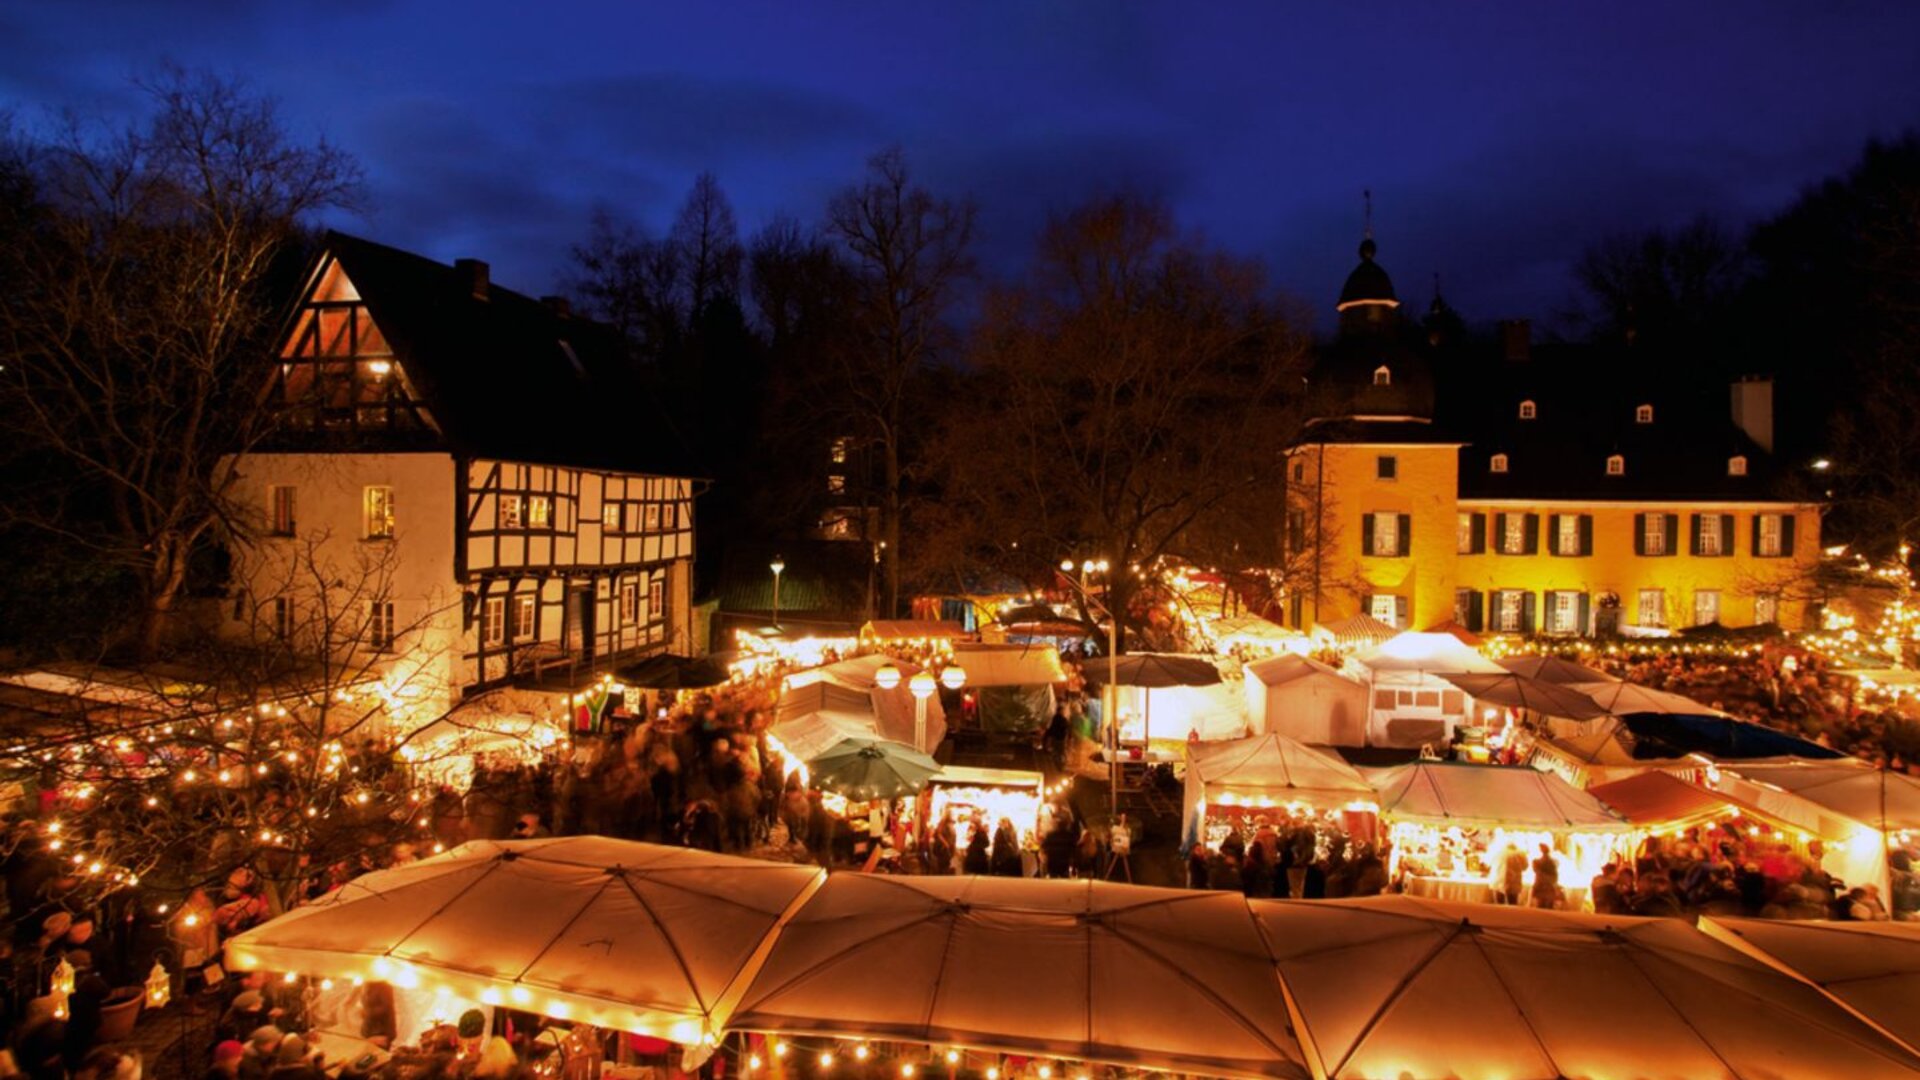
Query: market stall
(1412, 703)
(918, 632)
(857, 686)
(1453, 826)
(1874, 809)
(1231, 785)
(966, 792)
(1397, 987)
(532, 924)
(1171, 698)
(1012, 686)
(1306, 700)
(1139, 978)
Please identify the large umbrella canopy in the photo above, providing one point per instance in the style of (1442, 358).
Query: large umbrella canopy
(1448, 793)
(1520, 692)
(1165, 979)
(1625, 698)
(1155, 671)
(1399, 987)
(1553, 669)
(864, 768)
(636, 937)
(1873, 968)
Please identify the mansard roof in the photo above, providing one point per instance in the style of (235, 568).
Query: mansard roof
(508, 376)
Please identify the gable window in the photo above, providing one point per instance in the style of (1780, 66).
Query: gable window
(1528, 410)
(1706, 607)
(283, 617)
(1653, 607)
(610, 516)
(379, 512)
(1643, 414)
(1497, 463)
(280, 505)
(1616, 465)
(629, 603)
(1773, 535)
(539, 512)
(1386, 467)
(523, 611)
(510, 511)
(380, 625)
(493, 620)
(1385, 535)
(1382, 377)
(1737, 465)
(1766, 609)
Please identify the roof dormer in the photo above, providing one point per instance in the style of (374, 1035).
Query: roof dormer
(1616, 465)
(1737, 465)
(1643, 414)
(1528, 410)
(1382, 376)
(1497, 463)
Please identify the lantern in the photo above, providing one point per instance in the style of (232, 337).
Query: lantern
(159, 986)
(954, 677)
(62, 982)
(921, 685)
(887, 677)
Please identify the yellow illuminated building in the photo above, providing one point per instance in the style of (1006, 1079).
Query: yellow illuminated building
(1523, 495)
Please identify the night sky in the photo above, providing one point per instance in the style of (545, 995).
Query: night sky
(1498, 139)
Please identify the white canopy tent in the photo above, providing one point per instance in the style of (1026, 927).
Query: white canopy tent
(1447, 793)
(848, 687)
(807, 736)
(1175, 713)
(1012, 685)
(1412, 703)
(635, 937)
(1306, 700)
(1872, 968)
(1161, 979)
(1269, 770)
(1829, 798)
(1399, 987)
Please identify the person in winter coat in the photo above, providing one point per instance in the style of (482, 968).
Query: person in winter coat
(1058, 847)
(1006, 850)
(977, 860)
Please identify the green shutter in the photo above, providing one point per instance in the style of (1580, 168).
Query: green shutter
(1479, 545)
(1639, 534)
(1366, 534)
(1586, 534)
(1476, 607)
(1673, 534)
(1786, 536)
(1727, 535)
(1400, 612)
(1693, 534)
(1406, 534)
(1526, 612)
(1553, 535)
(1500, 533)
(1755, 531)
(1532, 539)
(1586, 608)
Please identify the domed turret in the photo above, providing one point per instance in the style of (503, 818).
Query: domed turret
(1367, 301)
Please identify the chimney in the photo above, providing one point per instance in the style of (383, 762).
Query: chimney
(1753, 409)
(472, 273)
(1516, 340)
(559, 305)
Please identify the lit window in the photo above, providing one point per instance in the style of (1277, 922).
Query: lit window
(539, 512)
(610, 516)
(1653, 536)
(1527, 410)
(1386, 609)
(1643, 415)
(523, 609)
(280, 504)
(1382, 377)
(656, 597)
(1737, 465)
(1710, 539)
(1513, 539)
(1616, 465)
(1766, 609)
(836, 484)
(1706, 607)
(629, 603)
(1653, 607)
(493, 620)
(1386, 467)
(1768, 543)
(282, 618)
(379, 508)
(1497, 463)
(839, 452)
(1389, 540)
(653, 517)
(1464, 536)
(509, 511)
(1510, 610)
(380, 625)
(1568, 536)
(1564, 615)
(1299, 471)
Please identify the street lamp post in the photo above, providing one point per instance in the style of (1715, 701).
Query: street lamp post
(777, 565)
(1110, 696)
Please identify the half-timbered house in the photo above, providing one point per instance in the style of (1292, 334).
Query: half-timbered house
(491, 457)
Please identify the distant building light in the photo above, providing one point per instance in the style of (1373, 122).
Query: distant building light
(1822, 463)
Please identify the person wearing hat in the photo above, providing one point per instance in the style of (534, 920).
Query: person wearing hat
(263, 1046)
(247, 1013)
(226, 1060)
(295, 1062)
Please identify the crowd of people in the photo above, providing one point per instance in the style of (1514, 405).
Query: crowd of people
(1724, 870)
(1292, 858)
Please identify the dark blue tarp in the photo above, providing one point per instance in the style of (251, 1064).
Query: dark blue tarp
(1659, 735)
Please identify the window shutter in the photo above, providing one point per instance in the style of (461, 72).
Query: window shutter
(1406, 534)
(1526, 612)
(1366, 534)
(1673, 534)
(1786, 536)
(1400, 611)
(1366, 604)
(1476, 611)
(1533, 535)
(1639, 534)
(1693, 531)
(1553, 535)
(1726, 534)
(1586, 534)
(1479, 545)
(1586, 608)
(1756, 534)
(1500, 533)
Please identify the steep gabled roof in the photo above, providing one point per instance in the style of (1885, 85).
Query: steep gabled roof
(508, 376)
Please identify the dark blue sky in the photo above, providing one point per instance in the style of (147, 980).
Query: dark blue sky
(1499, 138)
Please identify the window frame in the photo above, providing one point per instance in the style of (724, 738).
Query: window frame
(656, 598)
(1529, 410)
(1497, 464)
(282, 609)
(1778, 548)
(1383, 376)
(277, 524)
(1386, 467)
(1658, 596)
(377, 526)
(540, 510)
(1718, 547)
(1616, 465)
(610, 516)
(380, 626)
(493, 620)
(1643, 413)
(1654, 525)
(525, 609)
(1702, 594)
(1737, 465)
(511, 512)
(629, 603)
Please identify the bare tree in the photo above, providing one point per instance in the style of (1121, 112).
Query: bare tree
(707, 240)
(1132, 410)
(909, 253)
(630, 281)
(140, 302)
